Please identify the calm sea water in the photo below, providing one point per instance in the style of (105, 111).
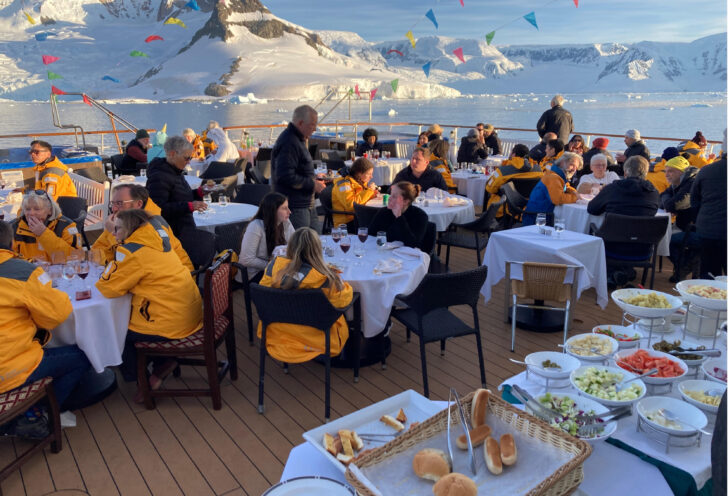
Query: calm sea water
(674, 115)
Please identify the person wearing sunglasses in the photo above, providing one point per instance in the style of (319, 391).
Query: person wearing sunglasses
(51, 174)
(42, 230)
(170, 191)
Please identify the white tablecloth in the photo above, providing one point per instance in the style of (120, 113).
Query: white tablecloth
(98, 326)
(441, 215)
(578, 219)
(377, 291)
(385, 169)
(193, 181)
(230, 214)
(471, 185)
(525, 244)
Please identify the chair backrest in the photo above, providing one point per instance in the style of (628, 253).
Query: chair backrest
(229, 236)
(116, 161)
(199, 245)
(325, 197)
(515, 201)
(251, 194)
(542, 281)
(428, 241)
(524, 186)
(252, 176)
(217, 298)
(240, 164)
(642, 229)
(364, 214)
(264, 154)
(307, 307)
(312, 149)
(89, 189)
(217, 170)
(73, 207)
(487, 223)
(445, 290)
(334, 164)
(93, 173)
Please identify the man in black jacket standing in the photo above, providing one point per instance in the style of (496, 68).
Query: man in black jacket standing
(292, 171)
(556, 120)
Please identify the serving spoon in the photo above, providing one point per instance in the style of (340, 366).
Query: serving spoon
(670, 415)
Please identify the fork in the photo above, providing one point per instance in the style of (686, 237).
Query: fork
(371, 437)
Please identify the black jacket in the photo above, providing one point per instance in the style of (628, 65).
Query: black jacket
(638, 148)
(494, 143)
(676, 200)
(409, 228)
(471, 151)
(708, 199)
(538, 152)
(129, 163)
(171, 192)
(556, 120)
(431, 178)
(365, 147)
(292, 171)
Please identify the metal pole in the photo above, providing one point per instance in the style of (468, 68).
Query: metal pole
(349, 105)
(370, 107)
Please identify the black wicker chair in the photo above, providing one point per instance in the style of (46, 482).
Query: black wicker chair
(219, 170)
(364, 214)
(75, 208)
(327, 205)
(251, 194)
(476, 238)
(516, 206)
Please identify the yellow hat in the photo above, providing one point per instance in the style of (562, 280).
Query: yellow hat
(678, 163)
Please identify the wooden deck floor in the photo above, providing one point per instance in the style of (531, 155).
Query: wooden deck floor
(185, 447)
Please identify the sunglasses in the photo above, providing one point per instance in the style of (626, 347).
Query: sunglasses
(36, 151)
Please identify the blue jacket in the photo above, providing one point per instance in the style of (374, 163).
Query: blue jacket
(551, 191)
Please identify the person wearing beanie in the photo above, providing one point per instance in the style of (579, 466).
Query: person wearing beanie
(635, 146)
(676, 200)
(135, 153)
(695, 150)
(656, 174)
(370, 143)
(599, 146)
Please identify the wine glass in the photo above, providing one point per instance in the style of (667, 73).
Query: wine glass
(363, 234)
(559, 226)
(69, 272)
(541, 222)
(345, 244)
(83, 267)
(335, 234)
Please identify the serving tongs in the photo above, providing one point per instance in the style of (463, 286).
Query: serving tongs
(461, 413)
(525, 397)
(679, 350)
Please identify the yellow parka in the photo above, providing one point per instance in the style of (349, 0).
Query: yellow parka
(695, 154)
(199, 148)
(166, 301)
(547, 162)
(61, 235)
(54, 179)
(27, 302)
(107, 242)
(208, 145)
(347, 191)
(656, 175)
(295, 344)
(440, 165)
(512, 168)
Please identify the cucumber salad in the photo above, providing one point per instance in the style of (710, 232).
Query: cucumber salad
(569, 420)
(602, 384)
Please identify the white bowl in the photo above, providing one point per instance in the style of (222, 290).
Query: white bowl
(626, 331)
(613, 346)
(586, 404)
(702, 386)
(709, 303)
(683, 411)
(660, 325)
(708, 367)
(567, 363)
(615, 370)
(645, 312)
(653, 353)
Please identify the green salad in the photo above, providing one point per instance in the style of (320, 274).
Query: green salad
(601, 383)
(569, 420)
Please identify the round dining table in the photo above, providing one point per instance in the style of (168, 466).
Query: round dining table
(471, 184)
(218, 215)
(441, 212)
(193, 181)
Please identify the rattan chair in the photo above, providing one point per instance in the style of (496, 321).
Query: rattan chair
(76, 209)
(476, 235)
(200, 348)
(15, 402)
(427, 312)
(303, 307)
(541, 282)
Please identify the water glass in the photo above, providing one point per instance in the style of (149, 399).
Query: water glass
(207, 198)
(69, 272)
(222, 200)
(559, 226)
(343, 230)
(381, 238)
(541, 222)
(142, 172)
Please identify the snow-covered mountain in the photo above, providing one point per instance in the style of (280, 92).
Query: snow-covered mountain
(236, 47)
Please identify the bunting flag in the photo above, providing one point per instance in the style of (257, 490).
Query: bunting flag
(192, 4)
(462, 3)
(351, 91)
(356, 90)
(489, 37)
(137, 53)
(49, 59)
(576, 3)
(109, 78)
(431, 16)
(531, 18)
(174, 20)
(41, 36)
(372, 93)
(152, 38)
(426, 68)
(56, 91)
(30, 19)
(395, 85)
(395, 51)
(411, 37)
(164, 129)
(459, 54)
(53, 75)
(86, 100)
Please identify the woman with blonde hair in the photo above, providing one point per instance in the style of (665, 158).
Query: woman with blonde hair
(303, 267)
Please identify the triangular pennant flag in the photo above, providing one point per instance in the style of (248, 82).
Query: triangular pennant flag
(351, 91)
(576, 3)
(192, 4)
(411, 37)
(86, 100)
(426, 68)
(164, 128)
(30, 19)
(109, 78)
(489, 37)
(41, 36)
(137, 53)
(56, 91)
(395, 85)
(372, 93)
(356, 90)
(431, 16)
(49, 59)
(53, 75)
(531, 17)
(462, 4)
(174, 20)
(459, 54)
(152, 38)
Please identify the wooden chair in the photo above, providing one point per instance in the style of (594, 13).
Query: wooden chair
(15, 402)
(199, 348)
(97, 197)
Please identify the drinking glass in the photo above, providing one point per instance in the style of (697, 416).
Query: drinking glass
(83, 267)
(344, 230)
(58, 258)
(559, 226)
(541, 222)
(54, 271)
(142, 172)
(69, 272)
(207, 198)
(335, 234)
(222, 200)
(363, 234)
(353, 155)
(345, 244)
(595, 189)
(381, 238)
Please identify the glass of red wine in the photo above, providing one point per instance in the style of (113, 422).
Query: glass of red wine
(363, 234)
(335, 234)
(345, 244)
(82, 271)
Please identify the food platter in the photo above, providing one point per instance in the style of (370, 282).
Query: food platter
(566, 362)
(683, 288)
(709, 369)
(578, 375)
(658, 355)
(586, 405)
(700, 386)
(632, 336)
(609, 347)
(645, 312)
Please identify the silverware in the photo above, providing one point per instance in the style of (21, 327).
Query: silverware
(463, 422)
(619, 385)
(672, 417)
(535, 405)
(591, 430)
(708, 353)
(592, 349)
(558, 367)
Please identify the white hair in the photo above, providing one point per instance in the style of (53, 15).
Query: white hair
(304, 113)
(177, 144)
(188, 131)
(557, 100)
(44, 199)
(599, 157)
(213, 125)
(568, 157)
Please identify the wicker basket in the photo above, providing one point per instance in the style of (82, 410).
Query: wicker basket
(563, 481)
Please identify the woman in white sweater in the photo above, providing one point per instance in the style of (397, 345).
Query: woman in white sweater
(226, 150)
(269, 228)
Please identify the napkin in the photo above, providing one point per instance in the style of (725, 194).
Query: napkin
(280, 251)
(454, 201)
(125, 179)
(432, 192)
(407, 252)
(389, 265)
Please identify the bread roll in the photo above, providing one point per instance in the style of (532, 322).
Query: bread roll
(492, 456)
(392, 422)
(479, 407)
(455, 485)
(431, 464)
(477, 436)
(508, 451)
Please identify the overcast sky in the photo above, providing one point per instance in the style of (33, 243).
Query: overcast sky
(559, 21)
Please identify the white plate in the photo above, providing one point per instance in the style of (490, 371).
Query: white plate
(708, 366)
(618, 329)
(391, 245)
(567, 362)
(303, 486)
(698, 385)
(415, 406)
(586, 404)
(682, 411)
(644, 312)
(709, 303)
(653, 353)
(613, 343)
(625, 375)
